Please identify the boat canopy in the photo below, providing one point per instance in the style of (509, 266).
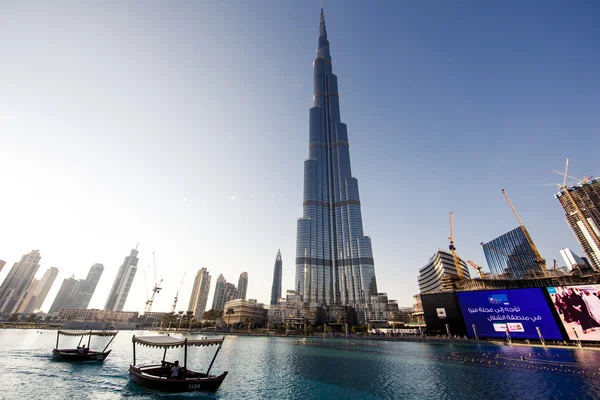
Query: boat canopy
(171, 341)
(85, 333)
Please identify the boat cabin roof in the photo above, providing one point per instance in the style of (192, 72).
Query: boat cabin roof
(172, 341)
(85, 333)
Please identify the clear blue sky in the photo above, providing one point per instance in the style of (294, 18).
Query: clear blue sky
(184, 126)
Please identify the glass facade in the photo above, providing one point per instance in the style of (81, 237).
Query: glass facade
(122, 284)
(334, 260)
(510, 255)
(276, 288)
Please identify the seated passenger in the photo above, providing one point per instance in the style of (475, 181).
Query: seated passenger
(175, 370)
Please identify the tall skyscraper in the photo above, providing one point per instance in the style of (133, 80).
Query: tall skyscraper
(581, 203)
(87, 287)
(334, 260)
(2, 264)
(14, 287)
(120, 288)
(276, 287)
(511, 255)
(200, 291)
(38, 291)
(64, 295)
(572, 260)
(242, 286)
(224, 292)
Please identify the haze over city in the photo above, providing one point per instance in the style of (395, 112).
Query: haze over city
(184, 128)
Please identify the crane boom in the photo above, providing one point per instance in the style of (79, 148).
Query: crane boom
(538, 257)
(155, 290)
(177, 294)
(453, 249)
(477, 267)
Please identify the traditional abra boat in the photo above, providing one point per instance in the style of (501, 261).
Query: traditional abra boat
(159, 377)
(82, 353)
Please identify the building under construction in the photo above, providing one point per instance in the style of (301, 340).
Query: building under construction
(581, 203)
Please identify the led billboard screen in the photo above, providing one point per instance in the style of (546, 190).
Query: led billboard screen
(518, 311)
(579, 310)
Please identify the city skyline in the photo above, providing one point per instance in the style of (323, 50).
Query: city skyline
(129, 152)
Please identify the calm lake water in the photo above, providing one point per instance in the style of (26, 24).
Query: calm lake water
(280, 368)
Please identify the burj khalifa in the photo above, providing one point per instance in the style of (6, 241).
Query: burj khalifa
(334, 259)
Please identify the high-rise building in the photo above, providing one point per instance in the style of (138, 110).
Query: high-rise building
(87, 287)
(511, 255)
(64, 295)
(200, 291)
(581, 203)
(120, 288)
(2, 264)
(276, 287)
(38, 291)
(224, 292)
(14, 287)
(440, 272)
(334, 259)
(572, 260)
(242, 286)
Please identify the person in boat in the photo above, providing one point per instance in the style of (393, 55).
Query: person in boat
(175, 370)
(80, 350)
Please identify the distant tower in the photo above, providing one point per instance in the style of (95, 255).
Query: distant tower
(242, 286)
(123, 281)
(218, 302)
(276, 288)
(64, 295)
(200, 291)
(581, 203)
(2, 264)
(38, 291)
(572, 260)
(14, 287)
(87, 287)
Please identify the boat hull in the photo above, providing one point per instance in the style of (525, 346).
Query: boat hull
(209, 383)
(73, 355)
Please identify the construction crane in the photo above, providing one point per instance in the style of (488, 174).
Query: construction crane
(538, 257)
(177, 294)
(582, 217)
(155, 290)
(453, 249)
(477, 267)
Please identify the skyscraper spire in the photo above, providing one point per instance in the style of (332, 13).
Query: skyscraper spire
(334, 260)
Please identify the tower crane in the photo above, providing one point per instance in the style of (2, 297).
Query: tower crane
(582, 218)
(453, 249)
(156, 288)
(477, 267)
(177, 294)
(538, 257)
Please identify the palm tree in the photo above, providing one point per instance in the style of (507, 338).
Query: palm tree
(229, 313)
(180, 319)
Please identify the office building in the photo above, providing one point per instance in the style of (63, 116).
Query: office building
(242, 285)
(511, 255)
(200, 291)
(122, 284)
(64, 295)
(15, 285)
(581, 203)
(440, 272)
(572, 260)
(38, 291)
(277, 274)
(248, 313)
(224, 292)
(334, 259)
(87, 287)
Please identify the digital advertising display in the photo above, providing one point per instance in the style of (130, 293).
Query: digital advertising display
(521, 312)
(578, 308)
(442, 314)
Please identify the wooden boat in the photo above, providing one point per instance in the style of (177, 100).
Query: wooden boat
(158, 377)
(82, 355)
